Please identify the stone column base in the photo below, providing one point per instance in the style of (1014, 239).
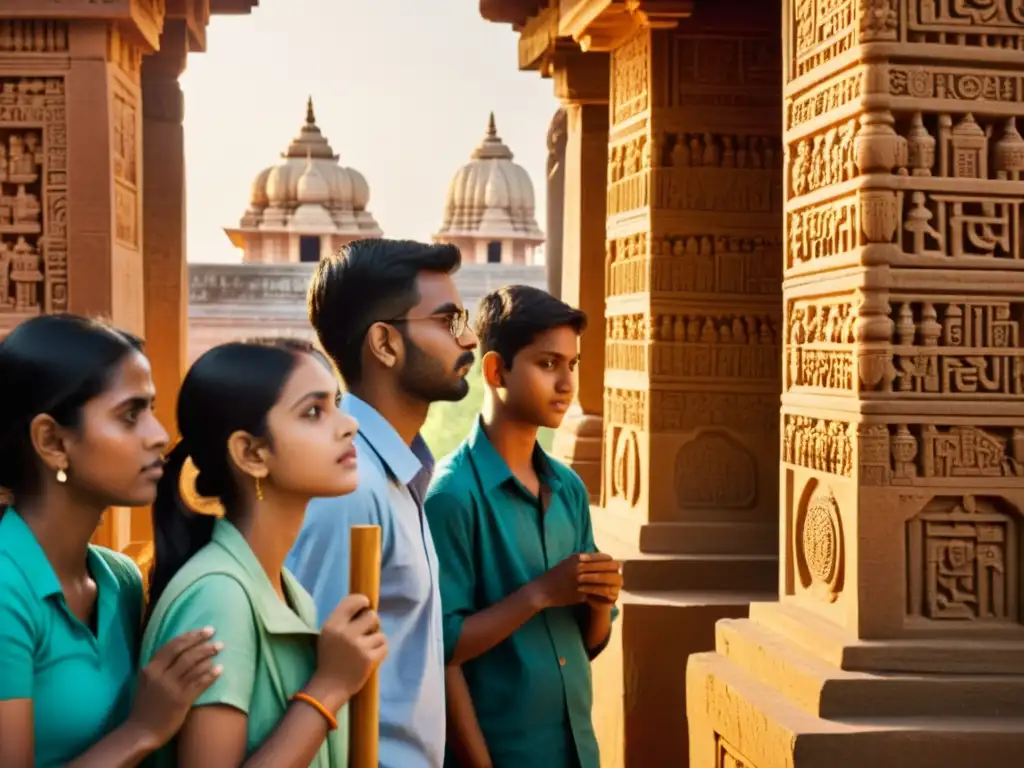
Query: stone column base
(578, 445)
(781, 692)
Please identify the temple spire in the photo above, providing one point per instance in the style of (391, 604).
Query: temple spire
(492, 131)
(310, 114)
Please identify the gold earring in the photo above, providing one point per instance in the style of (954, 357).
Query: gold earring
(259, 490)
(62, 476)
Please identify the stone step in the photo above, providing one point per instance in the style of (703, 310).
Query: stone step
(731, 713)
(827, 691)
(709, 538)
(704, 573)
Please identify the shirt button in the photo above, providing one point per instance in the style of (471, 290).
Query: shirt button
(561, 661)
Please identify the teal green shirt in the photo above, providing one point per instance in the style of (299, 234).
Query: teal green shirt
(80, 678)
(269, 648)
(532, 692)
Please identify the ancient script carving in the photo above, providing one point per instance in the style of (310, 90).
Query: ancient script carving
(627, 342)
(820, 353)
(828, 97)
(33, 196)
(818, 444)
(126, 192)
(947, 346)
(630, 77)
(628, 265)
(822, 29)
(963, 561)
(822, 231)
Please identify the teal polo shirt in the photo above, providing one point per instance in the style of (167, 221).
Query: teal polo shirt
(80, 678)
(269, 647)
(532, 692)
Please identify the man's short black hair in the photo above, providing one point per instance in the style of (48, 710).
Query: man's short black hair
(367, 282)
(512, 317)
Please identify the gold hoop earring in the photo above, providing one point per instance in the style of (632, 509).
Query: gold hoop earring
(259, 490)
(62, 476)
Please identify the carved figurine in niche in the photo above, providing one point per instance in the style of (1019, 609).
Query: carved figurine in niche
(680, 152)
(5, 274)
(26, 274)
(26, 209)
(6, 210)
(20, 166)
(1009, 153)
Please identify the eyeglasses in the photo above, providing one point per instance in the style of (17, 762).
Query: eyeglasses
(457, 320)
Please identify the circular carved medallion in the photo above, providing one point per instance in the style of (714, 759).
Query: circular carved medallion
(626, 468)
(819, 544)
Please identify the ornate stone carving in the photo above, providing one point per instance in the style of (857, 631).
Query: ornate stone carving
(721, 173)
(721, 71)
(945, 345)
(629, 164)
(824, 159)
(625, 469)
(33, 36)
(630, 77)
(983, 23)
(719, 346)
(714, 471)
(963, 561)
(626, 342)
(708, 264)
(830, 96)
(819, 353)
(33, 196)
(822, 29)
(820, 548)
(819, 444)
(686, 411)
(126, 189)
(822, 231)
(625, 407)
(628, 265)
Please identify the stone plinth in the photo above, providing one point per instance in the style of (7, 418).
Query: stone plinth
(899, 639)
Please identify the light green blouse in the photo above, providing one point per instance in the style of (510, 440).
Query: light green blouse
(269, 648)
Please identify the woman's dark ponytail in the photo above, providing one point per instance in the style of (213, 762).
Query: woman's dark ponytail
(178, 531)
(229, 389)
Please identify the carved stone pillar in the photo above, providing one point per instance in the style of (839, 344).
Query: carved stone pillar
(693, 282)
(899, 638)
(555, 202)
(165, 272)
(581, 83)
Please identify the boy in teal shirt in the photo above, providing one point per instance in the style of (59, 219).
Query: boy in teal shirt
(527, 599)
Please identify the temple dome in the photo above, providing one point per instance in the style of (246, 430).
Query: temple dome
(490, 197)
(309, 174)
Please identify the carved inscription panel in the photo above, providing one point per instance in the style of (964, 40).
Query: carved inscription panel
(963, 561)
(820, 444)
(33, 196)
(631, 77)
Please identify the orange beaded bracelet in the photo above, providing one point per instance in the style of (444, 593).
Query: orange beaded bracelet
(332, 721)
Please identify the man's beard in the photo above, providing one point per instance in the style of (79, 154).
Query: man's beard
(426, 379)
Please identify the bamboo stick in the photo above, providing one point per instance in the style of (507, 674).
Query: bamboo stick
(364, 708)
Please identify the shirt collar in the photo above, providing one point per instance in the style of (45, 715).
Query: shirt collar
(401, 460)
(19, 541)
(277, 617)
(493, 470)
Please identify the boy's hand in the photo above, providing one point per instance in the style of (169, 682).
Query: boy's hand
(600, 581)
(579, 578)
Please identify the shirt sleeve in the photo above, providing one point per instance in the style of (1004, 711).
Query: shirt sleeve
(17, 640)
(320, 557)
(219, 601)
(587, 526)
(453, 529)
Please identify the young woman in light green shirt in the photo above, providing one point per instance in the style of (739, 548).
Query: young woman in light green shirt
(262, 434)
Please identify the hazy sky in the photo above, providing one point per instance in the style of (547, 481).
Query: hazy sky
(402, 90)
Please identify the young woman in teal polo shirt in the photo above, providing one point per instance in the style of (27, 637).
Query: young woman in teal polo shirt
(78, 435)
(262, 434)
